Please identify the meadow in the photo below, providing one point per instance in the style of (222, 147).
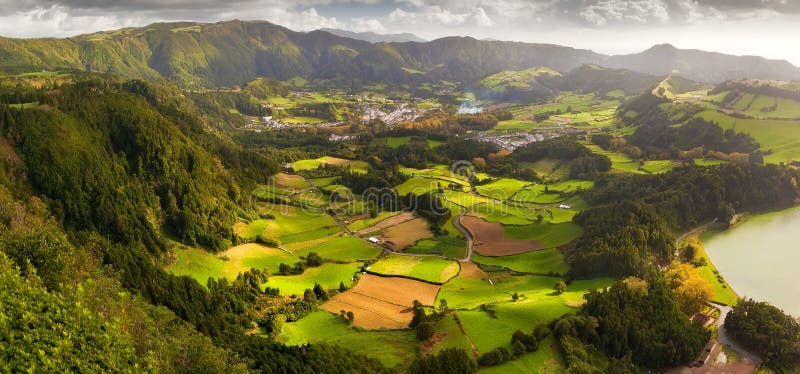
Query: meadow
(779, 139)
(429, 269)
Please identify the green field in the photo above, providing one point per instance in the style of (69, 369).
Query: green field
(397, 141)
(201, 265)
(328, 275)
(547, 360)
(429, 269)
(516, 124)
(502, 189)
(311, 164)
(392, 348)
(551, 235)
(419, 186)
(491, 326)
(344, 248)
(780, 140)
(444, 245)
(543, 262)
(289, 221)
(303, 120)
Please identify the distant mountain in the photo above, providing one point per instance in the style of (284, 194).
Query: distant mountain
(375, 37)
(231, 53)
(665, 59)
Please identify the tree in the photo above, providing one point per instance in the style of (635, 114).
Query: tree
(515, 296)
(320, 292)
(425, 330)
(560, 287)
(443, 306)
(691, 290)
(342, 287)
(351, 317)
(450, 360)
(765, 329)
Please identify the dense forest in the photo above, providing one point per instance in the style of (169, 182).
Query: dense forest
(635, 212)
(118, 177)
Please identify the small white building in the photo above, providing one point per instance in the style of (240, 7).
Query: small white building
(373, 240)
(565, 206)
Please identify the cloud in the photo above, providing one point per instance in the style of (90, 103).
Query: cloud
(605, 12)
(438, 15)
(366, 24)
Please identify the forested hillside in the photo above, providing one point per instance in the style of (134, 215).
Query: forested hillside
(94, 191)
(227, 54)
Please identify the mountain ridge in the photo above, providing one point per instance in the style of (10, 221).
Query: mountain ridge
(231, 53)
(373, 37)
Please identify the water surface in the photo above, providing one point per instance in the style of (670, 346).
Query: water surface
(760, 258)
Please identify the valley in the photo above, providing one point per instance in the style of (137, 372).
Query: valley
(258, 199)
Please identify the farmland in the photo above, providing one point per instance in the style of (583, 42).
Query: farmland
(429, 269)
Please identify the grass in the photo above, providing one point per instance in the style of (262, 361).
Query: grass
(303, 120)
(329, 275)
(551, 193)
(371, 221)
(31, 105)
(723, 293)
(429, 269)
(202, 265)
(344, 248)
(289, 220)
(779, 139)
(538, 303)
(464, 199)
(468, 293)
(392, 348)
(419, 186)
(516, 124)
(398, 141)
(449, 335)
(546, 360)
(309, 235)
(444, 245)
(550, 235)
(502, 189)
(324, 181)
(543, 262)
(311, 164)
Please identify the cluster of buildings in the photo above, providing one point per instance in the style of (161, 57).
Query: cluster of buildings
(401, 113)
(512, 141)
(270, 123)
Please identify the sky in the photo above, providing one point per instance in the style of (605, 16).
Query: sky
(769, 28)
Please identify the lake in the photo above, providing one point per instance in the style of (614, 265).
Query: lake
(760, 258)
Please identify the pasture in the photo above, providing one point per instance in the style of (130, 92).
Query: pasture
(289, 221)
(429, 269)
(502, 189)
(779, 139)
(329, 276)
(543, 262)
(392, 348)
(311, 164)
(201, 265)
(344, 248)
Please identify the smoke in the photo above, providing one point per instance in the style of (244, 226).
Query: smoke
(467, 108)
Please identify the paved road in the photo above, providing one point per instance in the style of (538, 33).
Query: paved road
(467, 234)
(723, 338)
